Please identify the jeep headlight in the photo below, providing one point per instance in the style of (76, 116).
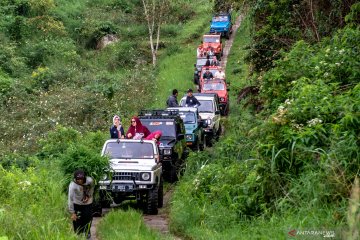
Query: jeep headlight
(208, 121)
(222, 99)
(145, 176)
(167, 151)
(225, 29)
(188, 136)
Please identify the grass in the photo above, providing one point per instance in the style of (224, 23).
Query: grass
(33, 205)
(176, 71)
(126, 225)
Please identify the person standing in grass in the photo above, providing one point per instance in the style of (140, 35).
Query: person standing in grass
(116, 130)
(80, 200)
(172, 100)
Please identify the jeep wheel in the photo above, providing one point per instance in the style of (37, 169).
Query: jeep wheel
(152, 201)
(173, 174)
(227, 35)
(161, 193)
(202, 146)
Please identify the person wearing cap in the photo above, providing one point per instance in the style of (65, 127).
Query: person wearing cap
(172, 100)
(207, 74)
(220, 74)
(80, 199)
(191, 100)
(116, 130)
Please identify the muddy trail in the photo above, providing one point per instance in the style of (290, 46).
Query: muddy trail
(160, 222)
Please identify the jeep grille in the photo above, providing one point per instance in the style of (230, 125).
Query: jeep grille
(126, 176)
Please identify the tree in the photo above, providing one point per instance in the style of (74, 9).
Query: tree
(154, 14)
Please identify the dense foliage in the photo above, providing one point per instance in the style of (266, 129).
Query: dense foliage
(292, 164)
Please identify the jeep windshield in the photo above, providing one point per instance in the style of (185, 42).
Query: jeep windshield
(201, 61)
(188, 117)
(206, 106)
(213, 86)
(166, 127)
(220, 19)
(211, 39)
(126, 150)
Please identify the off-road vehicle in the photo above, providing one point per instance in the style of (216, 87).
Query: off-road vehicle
(200, 62)
(213, 41)
(221, 23)
(210, 112)
(136, 173)
(220, 88)
(194, 126)
(172, 145)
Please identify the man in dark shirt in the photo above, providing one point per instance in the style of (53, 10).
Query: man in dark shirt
(208, 75)
(191, 100)
(172, 100)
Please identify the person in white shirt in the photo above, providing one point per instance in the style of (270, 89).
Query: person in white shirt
(220, 74)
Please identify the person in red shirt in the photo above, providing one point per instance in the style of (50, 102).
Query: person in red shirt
(137, 130)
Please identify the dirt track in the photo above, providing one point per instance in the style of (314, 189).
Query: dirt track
(160, 222)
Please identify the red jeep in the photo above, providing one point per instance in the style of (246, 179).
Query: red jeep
(212, 69)
(218, 86)
(212, 42)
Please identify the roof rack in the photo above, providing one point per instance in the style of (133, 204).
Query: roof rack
(173, 113)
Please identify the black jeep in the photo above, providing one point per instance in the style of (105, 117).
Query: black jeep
(172, 142)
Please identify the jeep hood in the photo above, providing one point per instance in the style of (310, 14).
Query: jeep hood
(205, 116)
(133, 164)
(214, 45)
(189, 128)
(167, 142)
(221, 25)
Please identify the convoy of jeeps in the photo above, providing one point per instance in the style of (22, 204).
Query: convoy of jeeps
(139, 166)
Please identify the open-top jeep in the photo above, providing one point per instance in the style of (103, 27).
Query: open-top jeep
(200, 62)
(136, 174)
(172, 142)
(220, 88)
(209, 111)
(213, 41)
(194, 126)
(221, 23)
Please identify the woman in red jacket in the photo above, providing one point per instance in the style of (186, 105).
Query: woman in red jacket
(137, 130)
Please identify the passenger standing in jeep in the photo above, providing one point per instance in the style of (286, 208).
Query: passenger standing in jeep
(116, 130)
(191, 101)
(137, 130)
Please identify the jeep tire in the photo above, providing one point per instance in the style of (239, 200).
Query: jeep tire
(161, 193)
(152, 201)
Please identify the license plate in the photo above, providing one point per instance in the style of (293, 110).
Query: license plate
(122, 187)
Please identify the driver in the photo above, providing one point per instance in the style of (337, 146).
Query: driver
(207, 74)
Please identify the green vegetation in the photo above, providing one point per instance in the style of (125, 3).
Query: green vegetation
(126, 225)
(291, 149)
(290, 154)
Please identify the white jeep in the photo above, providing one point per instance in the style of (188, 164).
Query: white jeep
(136, 174)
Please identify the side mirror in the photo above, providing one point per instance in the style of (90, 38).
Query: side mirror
(217, 112)
(181, 136)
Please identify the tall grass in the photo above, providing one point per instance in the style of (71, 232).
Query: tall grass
(33, 204)
(126, 225)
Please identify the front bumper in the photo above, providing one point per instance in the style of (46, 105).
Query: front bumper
(125, 187)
